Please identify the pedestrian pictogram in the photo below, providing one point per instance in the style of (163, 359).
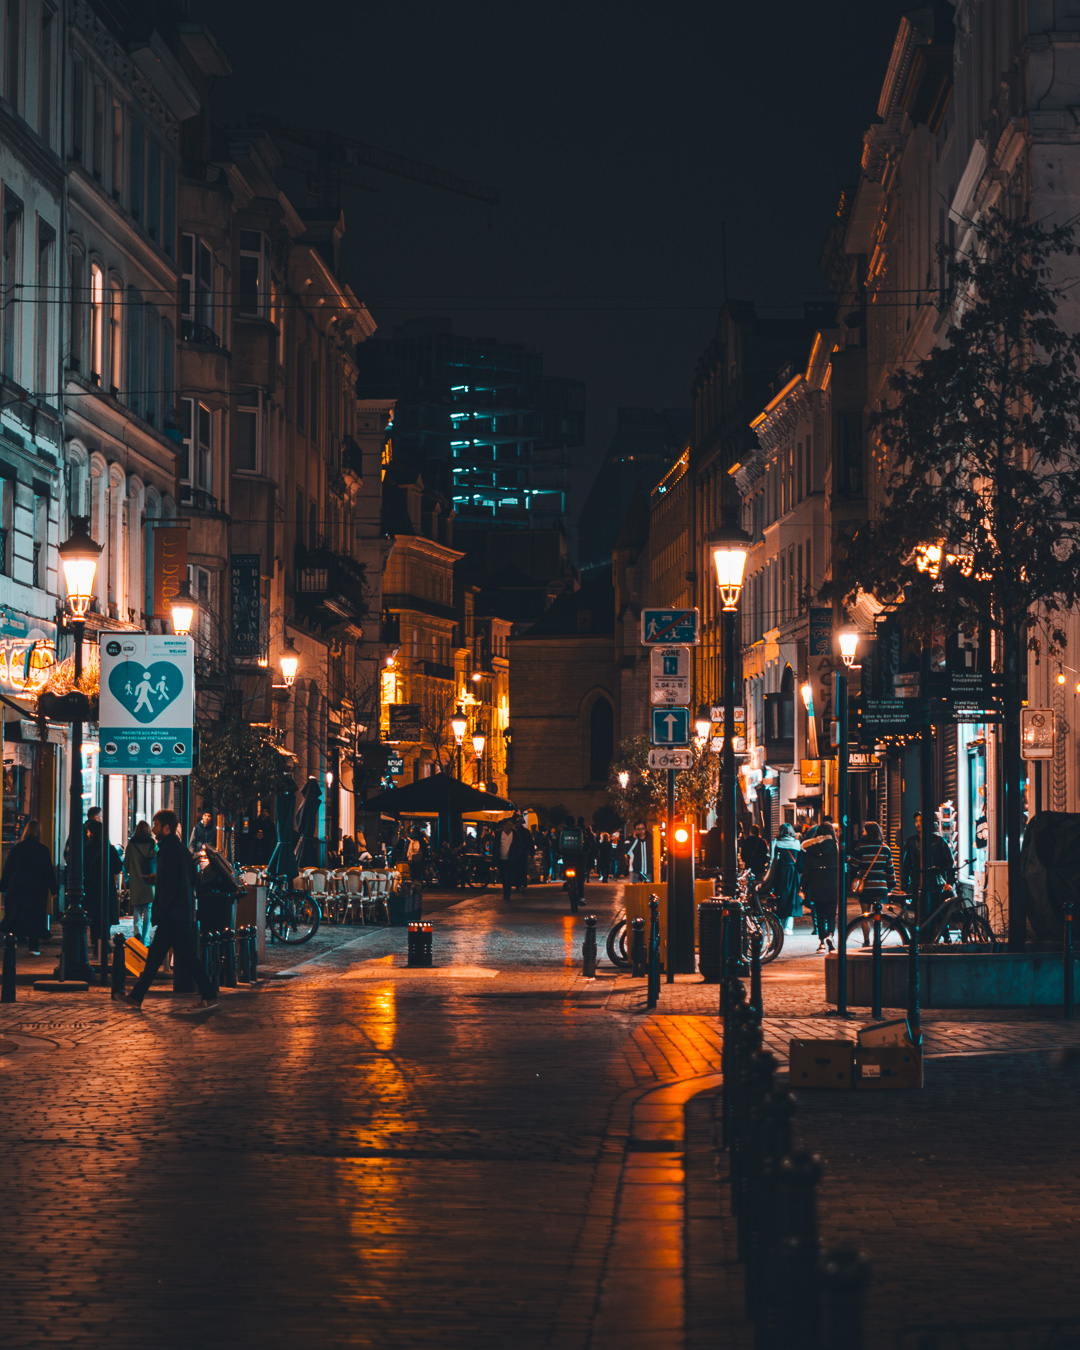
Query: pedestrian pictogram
(664, 627)
(669, 675)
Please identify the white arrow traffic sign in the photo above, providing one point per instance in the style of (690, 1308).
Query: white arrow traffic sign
(671, 726)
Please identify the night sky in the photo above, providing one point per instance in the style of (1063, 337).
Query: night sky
(620, 137)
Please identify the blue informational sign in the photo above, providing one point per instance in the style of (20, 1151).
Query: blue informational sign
(147, 704)
(671, 726)
(666, 627)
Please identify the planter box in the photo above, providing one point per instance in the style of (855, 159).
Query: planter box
(957, 979)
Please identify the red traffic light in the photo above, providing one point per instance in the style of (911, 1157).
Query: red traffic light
(682, 839)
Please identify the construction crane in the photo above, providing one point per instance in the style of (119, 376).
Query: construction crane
(337, 159)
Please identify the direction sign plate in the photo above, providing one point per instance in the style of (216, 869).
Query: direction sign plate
(671, 726)
(662, 627)
(147, 704)
(669, 675)
(671, 759)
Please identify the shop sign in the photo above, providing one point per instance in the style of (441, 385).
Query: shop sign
(1037, 733)
(810, 772)
(862, 761)
(821, 635)
(245, 605)
(147, 704)
(404, 722)
(395, 765)
(170, 566)
(27, 653)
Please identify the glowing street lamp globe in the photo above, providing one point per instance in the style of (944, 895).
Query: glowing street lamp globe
(79, 557)
(849, 645)
(289, 661)
(729, 558)
(183, 610)
(479, 740)
(459, 724)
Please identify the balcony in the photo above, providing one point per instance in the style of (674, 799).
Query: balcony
(199, 333)
(329, 587)
(780, 730)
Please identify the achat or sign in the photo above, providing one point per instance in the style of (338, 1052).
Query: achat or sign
(669, 675)
(671, 759)
(671, 726)
(1037, 733)
(147, 704)
(662, 627)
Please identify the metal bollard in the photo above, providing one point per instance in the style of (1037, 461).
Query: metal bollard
(1069, 973)
(653, 997)
(755, 971)
(588, 948)
(413, 957)
(228, 963)
(242, 956)
(119, 966)
(913, 979)
(253, 954)
(7, 984)
(725, 924)
(875, 919)
(756, 1087)
(213, 961)
(426, 938)
(746, 1042)
(798, 1254)
(638, 960)
(773, 1145)
(844, 1275)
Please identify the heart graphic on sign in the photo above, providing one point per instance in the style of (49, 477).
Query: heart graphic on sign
(145, 691)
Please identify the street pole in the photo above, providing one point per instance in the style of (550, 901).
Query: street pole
(73, 954)
(672, 925)
(728, 778)
(106, 878)
(1012, 765)
(926, 792)
(841, 712)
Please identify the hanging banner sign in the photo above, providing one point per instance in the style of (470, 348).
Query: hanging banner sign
(147, 704)
(170, 566)
(246, 606)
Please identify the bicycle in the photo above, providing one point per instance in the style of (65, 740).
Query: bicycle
(291, 916)
(898, 920)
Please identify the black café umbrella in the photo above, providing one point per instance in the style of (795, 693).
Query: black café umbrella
(283, 859)
(307, 823)
(442, 794)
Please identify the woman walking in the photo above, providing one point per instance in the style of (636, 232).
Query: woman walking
(26, 881)
(871, 859)
(782, 879)
(820, 865)
(139, 865)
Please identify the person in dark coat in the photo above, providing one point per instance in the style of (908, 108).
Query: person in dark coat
(782, 879)
(603, 856)
(92, 860)
(26, 881)
(510, 855)
(872, 860)
(204, 835)
(754, 851)
(639, 854)
(820, 868)
(941, 862)
(173, 915)
(139, 863)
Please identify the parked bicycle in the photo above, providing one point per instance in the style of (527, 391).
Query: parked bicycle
(953, 920)
(291, 916)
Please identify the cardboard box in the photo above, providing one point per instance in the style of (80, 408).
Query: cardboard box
(882, 1068)
(820, 1064)
(896, 1032)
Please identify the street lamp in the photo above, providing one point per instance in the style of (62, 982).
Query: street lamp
(183, 610)
(703, 723)
(290, 659)
(459, 724)
(479, 740)
(624, 779)
(729, 558)
(849, 646)
(79, 558)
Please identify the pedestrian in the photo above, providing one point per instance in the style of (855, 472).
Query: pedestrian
(871, 862)
(942, 865)
(639, 854)
(95, 845)
(350, 853)
(173, 915)
(782, 879)
(543, 853)
(27, 880)
(525, 841)
(820, 864)
(509, 856)
(203, 835)
(754, 852)
(603, 856)
(139, 865)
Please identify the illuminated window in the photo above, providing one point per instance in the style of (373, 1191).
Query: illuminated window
(253, 275)
(97, 322)
(116, 342)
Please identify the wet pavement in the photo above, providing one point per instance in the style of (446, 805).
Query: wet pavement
(494, 1152)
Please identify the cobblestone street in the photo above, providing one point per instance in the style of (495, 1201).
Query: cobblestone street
(494, 1152)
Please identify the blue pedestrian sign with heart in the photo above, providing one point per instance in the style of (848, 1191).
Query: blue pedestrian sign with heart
(671, 726)
(147, 704)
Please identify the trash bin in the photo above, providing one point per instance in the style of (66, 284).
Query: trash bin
(710, 934)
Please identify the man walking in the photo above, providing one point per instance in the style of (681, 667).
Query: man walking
(203, 835)
(509, 856)
(173, 914)
(639, 855)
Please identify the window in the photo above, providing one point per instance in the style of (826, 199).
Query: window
(97, 322)
(601, 740)
(315, 403)
(12, 53)
(152, 337)
(98, 162)
(168, 205)
(43, 339)
(116, 339)
(7, 521)
(197, 289)
(253, 276)
(137, 176)
(301, 388)
(196, 431)
(117, 150)
(168, 378)
(46, 57)
(246, 442)
(300, 520)
(41, 541)
(78, 107)
(313, 526)
(9, 281)
(851, 453)
(153, 189)
(77, 309)
(133, 310)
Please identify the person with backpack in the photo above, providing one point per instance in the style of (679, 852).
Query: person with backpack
(139, 865)
(871, 874)
(782, 879)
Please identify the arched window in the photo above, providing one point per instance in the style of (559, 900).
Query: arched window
(601, 740)
(97, 321)
(116, 336)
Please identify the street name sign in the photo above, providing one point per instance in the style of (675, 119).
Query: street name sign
(663, 627)
(146, 708)
(671, 726)
(671, 759)
(669, 675)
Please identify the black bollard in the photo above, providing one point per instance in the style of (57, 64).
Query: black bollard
(725, 927)
(875, 919)
(427, 934)
(773, 1145)
(119, 966)
(413, 948)
(588, 948)
(654, 952)
(913, 980)
(253, 954)
(7, 984)
(845, 1275)
(1069, 973)
(213, 961)
(228, 962)
(638, 958)
(755, 971)
(242, 956)
(799, 1254)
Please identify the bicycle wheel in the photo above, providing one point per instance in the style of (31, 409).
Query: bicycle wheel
(974, 928)
(293, 921)
(477, 875)
(616, 944)
(772, 938)
(894, 933)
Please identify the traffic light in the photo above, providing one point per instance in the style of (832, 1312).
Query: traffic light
(681, 897)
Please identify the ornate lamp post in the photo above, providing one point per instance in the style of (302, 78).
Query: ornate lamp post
(459, 724)
(289, 661)
(479, 740)
(183, 610)
(729, 558)
(79, 558)
(849, 646)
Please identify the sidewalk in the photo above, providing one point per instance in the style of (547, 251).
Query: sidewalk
(495, 1152)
